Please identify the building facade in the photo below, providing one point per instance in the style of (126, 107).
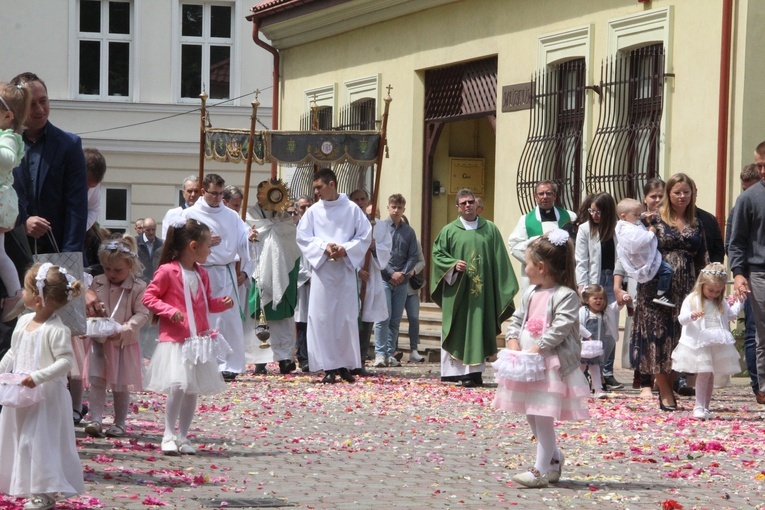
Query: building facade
(598, 95)
(126, 76)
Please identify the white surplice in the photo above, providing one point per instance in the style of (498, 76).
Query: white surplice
(333, 308)
(221, 267)
(375, 305)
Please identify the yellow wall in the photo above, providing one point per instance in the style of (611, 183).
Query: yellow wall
(400, 50)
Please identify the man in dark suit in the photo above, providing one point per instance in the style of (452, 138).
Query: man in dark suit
(149, 249)
(50, 181)
(52, 187)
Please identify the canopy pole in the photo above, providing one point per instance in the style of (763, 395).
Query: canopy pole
(250, 152)
(202, 136)
(382, 149)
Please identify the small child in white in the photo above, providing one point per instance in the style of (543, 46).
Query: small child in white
(593, 328)
(706, 345)
(638, 249)
(38, 452)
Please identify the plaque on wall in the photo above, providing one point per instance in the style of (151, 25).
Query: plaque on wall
(466, 173)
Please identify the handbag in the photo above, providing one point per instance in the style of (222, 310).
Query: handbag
(520, 366)
(417, 281)
(206, 346)
(12, 393)
(592, 349)
(101, 327)
(73, 313)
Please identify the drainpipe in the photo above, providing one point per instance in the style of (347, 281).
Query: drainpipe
(723, 112)
(275, 85)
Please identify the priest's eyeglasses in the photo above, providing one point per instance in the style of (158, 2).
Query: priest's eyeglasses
(467, 202)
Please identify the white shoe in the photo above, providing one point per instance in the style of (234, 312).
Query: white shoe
(186, 448)
(601, 394)
(415, 357)
(169, 446)
(709, 414)
(380, 362)
(393, 362)
(531, 478)
(700, 414)
(556, 468)
(40, 502)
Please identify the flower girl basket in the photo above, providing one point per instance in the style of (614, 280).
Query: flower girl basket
(205, 346)
(101, 327)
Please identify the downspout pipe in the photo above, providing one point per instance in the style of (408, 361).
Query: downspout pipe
(726, 44)
(274, 86)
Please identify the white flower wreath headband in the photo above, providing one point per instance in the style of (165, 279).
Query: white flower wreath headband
(558, 237)
(115, 246)
(42, 277)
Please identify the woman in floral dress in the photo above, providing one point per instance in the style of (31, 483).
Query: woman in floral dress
(656, 330)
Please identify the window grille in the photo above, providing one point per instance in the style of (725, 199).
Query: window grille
(361, 115)
(324, 116)
(553, 149)
(466, 90)
(625, 149)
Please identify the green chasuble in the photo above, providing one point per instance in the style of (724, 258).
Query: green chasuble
(481, 298)
(285, 308)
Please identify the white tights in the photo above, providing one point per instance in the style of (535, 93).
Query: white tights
(543, 428)
(98, 402)
(8, 273)
(179, 408)
(704, 384)
(597, 382)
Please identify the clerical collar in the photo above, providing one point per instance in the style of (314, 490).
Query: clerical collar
(548, 215)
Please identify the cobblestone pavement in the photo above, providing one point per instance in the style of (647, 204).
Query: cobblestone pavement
(402, 439)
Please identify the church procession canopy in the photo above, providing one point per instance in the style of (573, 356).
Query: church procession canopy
(320, 148)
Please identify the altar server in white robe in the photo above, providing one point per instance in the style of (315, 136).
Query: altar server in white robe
(334, 235)
(230, 242)
(374, 307)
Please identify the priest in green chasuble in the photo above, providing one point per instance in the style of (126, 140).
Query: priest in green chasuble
(474, 284)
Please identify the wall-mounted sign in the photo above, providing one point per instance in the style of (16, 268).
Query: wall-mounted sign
(517, 97)
(466, 173)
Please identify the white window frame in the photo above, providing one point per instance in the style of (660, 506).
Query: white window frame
(642, 29)
(322, 96)
(128, 204)
(104, 39)
(362, 88)
(234, 43)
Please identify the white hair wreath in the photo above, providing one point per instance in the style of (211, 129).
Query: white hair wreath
(558, 237)
(42, 277)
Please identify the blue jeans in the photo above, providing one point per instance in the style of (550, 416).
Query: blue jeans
(413, 316)
(664, 273)
(607, 282)
(386, 332)
(750, 344)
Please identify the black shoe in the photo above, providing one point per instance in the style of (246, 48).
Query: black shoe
(682, 388)
(668, 408)
(361, 372)
(229, 376)
(286, 366)
(345, 375)
(398, 355)
(329, 377)
(80, 415)
(611, 383)
(305, 368)
(260, 369)
(473, 380)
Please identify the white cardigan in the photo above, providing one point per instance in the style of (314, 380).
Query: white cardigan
(588, 257)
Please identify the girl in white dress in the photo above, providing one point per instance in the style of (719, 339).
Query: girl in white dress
(38, 453)
(543, 380)
(706, 345)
